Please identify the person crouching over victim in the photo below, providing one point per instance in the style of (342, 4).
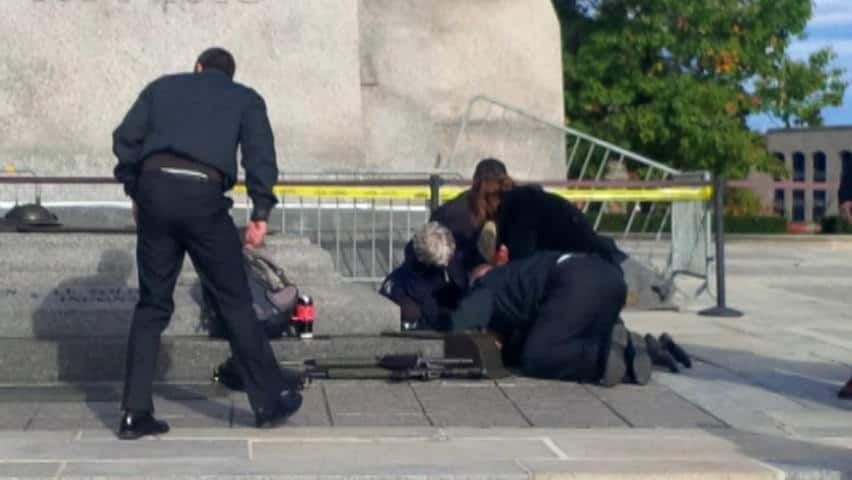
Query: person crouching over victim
(565, 307)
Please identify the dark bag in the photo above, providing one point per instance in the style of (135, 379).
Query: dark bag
(274, 298)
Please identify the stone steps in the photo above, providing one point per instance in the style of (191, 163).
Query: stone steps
(75, 285)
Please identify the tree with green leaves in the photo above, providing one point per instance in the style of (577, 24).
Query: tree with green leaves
(676, 79)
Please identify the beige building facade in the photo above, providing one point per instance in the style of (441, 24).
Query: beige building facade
(815, 159)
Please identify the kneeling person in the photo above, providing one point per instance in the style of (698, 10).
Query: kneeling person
(566, 308)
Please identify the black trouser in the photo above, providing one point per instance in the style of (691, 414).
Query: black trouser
(178, 215)
(569, 338)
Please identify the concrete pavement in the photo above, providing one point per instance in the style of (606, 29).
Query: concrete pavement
(759, 403)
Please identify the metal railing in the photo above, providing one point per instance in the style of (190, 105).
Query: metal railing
(671, 236)
(365, 224)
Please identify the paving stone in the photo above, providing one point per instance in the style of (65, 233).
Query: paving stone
(16, 416)
(78, 409)
(654, 406)
(729, 397)
(735, 468)
(826, 423)
(561, 404)
(792, 454)
(29, 471)
(373, 403)
(430, 458)
(39, 449)
(476, 405)
(44, 423)
(219, 408)
(640, 444)
(312, 414)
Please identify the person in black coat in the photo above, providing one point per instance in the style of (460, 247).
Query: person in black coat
(428, 292)
(176, 151)
(530, 219)
(565, 307)
(430, 282)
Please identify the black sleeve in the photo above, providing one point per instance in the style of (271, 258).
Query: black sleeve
(257, 144)
(845, 192)
(474, 312)
(128, 140)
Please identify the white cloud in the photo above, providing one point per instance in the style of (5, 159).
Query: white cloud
(832, 12)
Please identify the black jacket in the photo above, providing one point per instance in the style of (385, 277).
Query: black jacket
(507, 298)
(436, 291)
(201, 117)
(531, 220)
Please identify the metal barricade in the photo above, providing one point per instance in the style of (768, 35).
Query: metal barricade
(667, 233)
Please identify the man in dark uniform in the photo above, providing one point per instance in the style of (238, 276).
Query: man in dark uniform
(565, 307)
(176, 157)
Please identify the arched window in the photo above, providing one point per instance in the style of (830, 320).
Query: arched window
(798, 167)
(820, 165)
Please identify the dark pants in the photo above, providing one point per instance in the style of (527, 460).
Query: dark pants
(569, 337)
(179, 215)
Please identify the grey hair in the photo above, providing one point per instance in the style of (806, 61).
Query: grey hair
(434, 244)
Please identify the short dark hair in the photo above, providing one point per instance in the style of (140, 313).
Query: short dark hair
(218, 59)
(489, 168)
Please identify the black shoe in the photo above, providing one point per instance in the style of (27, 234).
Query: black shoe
(639, 366)
(138, 425)
(288, 403)
(677, 352)
(659, 356)
(615, 367)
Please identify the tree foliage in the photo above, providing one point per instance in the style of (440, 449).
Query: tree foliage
(676, 79)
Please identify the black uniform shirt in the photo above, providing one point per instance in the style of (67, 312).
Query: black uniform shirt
(506, 299)
(201, 117)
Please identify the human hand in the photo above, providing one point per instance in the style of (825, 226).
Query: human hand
(255, 233)
(501, 256)
(846, 210)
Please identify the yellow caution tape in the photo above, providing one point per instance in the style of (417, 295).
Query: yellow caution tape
(657, 194)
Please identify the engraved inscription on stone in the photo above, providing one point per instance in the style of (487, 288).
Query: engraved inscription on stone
(91, 298)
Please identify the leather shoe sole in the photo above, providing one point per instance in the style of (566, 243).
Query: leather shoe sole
(288, 404)
(615, 368)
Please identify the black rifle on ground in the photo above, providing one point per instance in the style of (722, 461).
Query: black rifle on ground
(399, 367)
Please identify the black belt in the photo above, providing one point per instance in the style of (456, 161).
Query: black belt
(175, 165)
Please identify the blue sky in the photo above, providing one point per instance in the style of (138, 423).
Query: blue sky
(831, 25)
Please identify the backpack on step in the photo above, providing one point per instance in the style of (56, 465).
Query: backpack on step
(274, 298)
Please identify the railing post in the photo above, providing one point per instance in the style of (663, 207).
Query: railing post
(721, 309)
(434, 192)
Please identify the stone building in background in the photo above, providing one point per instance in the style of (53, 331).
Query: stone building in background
(815, 159)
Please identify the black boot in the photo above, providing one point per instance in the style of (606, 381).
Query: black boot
(639, 364)
(659, 356)
(615, 366)
(677, 352)
(288, 403)
(139, 424)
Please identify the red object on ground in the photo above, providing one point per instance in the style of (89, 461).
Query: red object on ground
(803, 228)
(846, 391)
